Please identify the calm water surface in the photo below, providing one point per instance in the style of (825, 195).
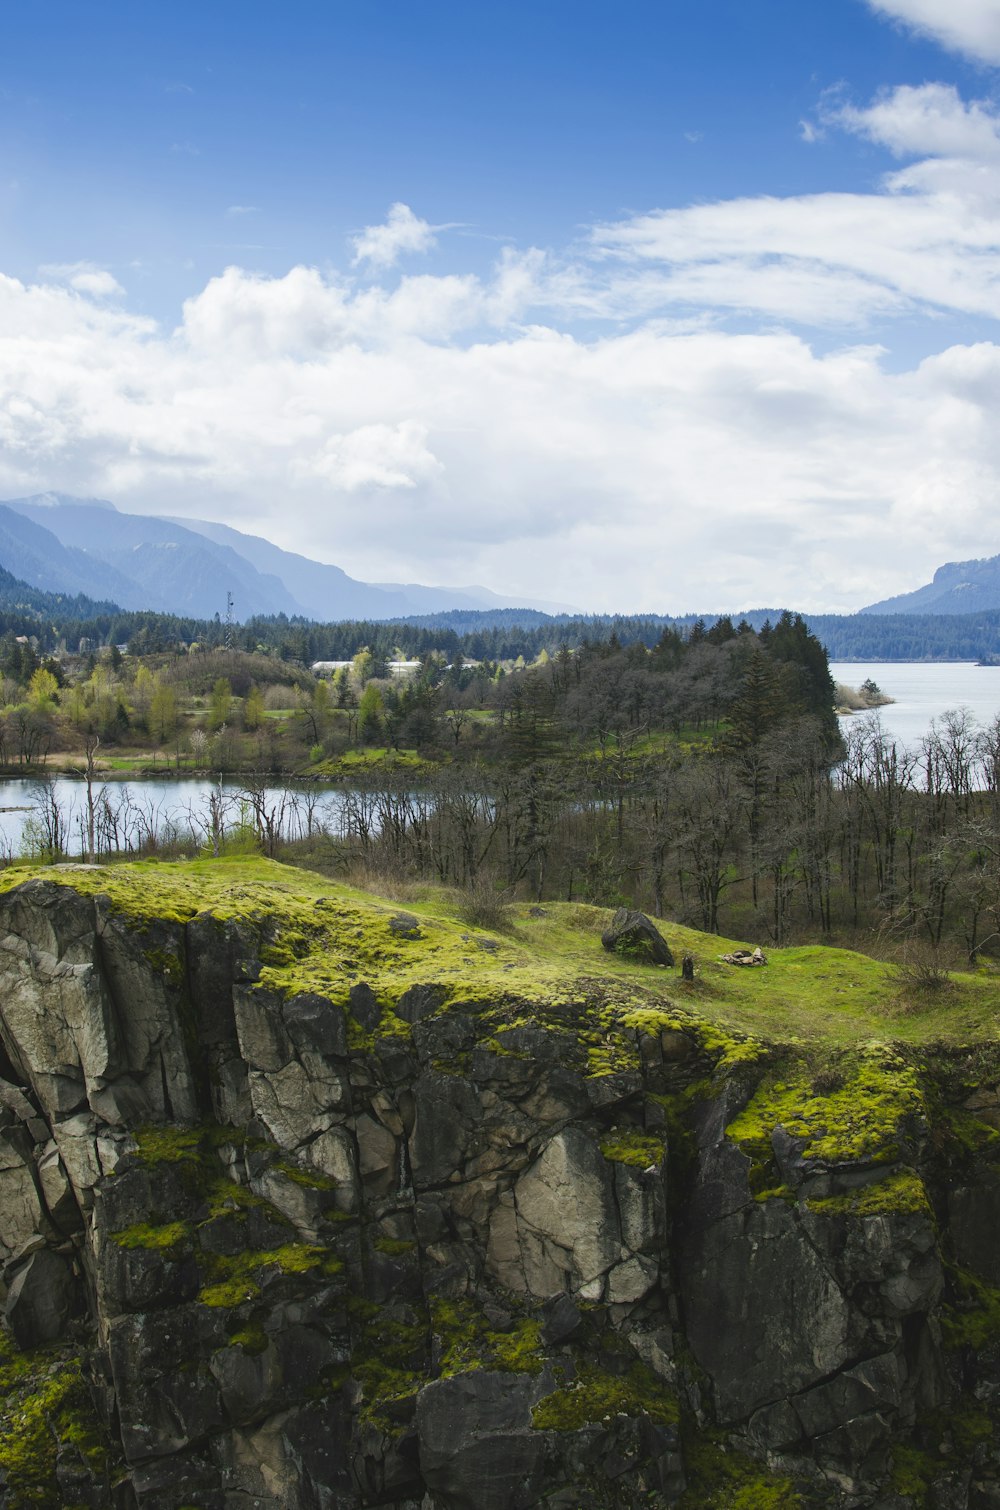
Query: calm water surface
(923, 690)
(143, 806)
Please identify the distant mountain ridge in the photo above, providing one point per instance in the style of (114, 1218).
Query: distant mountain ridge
(958, 587)
(60, 543)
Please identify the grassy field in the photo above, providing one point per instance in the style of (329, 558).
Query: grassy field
(326, 936)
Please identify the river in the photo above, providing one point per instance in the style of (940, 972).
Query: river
(923, 690)
(136, 808)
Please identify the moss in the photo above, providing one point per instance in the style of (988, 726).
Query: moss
(943, 1438)
(468, 1341)
(594, 1395)
(168, 1145)
(390, 1361)
(251, 1337)
(240, 1278)
(867, 1120)
(973, 1317)
(902, 1191)
(44, 1408)
(965, 1132)
(912, 1472)
(394, 1247)
(721, 1478)
(628, 1145)
(613, 1057)
(308, 1179)
(163, 1239)
(391, 1025)
(166, 964)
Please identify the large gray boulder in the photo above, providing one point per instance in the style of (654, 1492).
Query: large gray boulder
(634, 936)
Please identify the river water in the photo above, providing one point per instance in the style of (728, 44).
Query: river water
(140, 807)
(923, 690)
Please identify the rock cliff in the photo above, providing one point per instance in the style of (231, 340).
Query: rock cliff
(309, 1202)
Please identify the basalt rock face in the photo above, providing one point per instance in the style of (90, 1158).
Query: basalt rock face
(302, 1249)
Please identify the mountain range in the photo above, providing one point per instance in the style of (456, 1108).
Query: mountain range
(957, 587)
(70, 545)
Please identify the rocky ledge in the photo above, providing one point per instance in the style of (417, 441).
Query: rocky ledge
(308, 1202)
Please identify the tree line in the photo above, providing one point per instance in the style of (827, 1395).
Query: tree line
(55, 620)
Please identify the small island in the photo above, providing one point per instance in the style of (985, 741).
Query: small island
(861, 699)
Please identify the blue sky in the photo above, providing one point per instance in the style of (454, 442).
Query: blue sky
(660, 306)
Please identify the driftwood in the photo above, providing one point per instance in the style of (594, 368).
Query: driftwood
(745, 957)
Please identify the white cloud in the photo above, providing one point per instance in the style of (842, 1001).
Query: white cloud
(242, 209)
(459, 427)
(372, 456)
(645, 469)
(85, 277)
(383, 245)
(967, 26)
(928, 118)
(928, 239)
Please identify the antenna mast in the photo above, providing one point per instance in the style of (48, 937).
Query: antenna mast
(229, 621)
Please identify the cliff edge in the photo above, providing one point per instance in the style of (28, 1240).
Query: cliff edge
(307, 1200)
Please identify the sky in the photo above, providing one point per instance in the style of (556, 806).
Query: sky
(660, 305)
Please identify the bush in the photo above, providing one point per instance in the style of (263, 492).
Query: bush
(484, 906)
(922, 972)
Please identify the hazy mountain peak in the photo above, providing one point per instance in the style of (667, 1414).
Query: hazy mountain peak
(61, 500)
(956, 587)
(188, 566)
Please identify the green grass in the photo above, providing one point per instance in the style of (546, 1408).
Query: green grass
(321, 936)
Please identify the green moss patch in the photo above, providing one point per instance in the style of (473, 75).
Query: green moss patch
(595, 1395)
(973, 1317)
(163, 1239)
(628, 1145)
(394, 1247)
(721, 1478)
(239, 1279)
(878, 1099)
(390, 1360)
(168, 1144)
(468, 1341)
(964, 1433)
(45, 1408)
(250, 1337)
(901, 1191)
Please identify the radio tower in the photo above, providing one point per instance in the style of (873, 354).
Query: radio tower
(229, 621)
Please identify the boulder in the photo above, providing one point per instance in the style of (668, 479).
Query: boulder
(635, 936)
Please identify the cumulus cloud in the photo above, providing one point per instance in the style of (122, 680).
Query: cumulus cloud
(383, 245)
(967, 26)
(85, 277)
(928, 118)
(536, 461)
(372, 456)
(585, 425)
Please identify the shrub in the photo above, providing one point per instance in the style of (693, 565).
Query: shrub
(484, 906)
